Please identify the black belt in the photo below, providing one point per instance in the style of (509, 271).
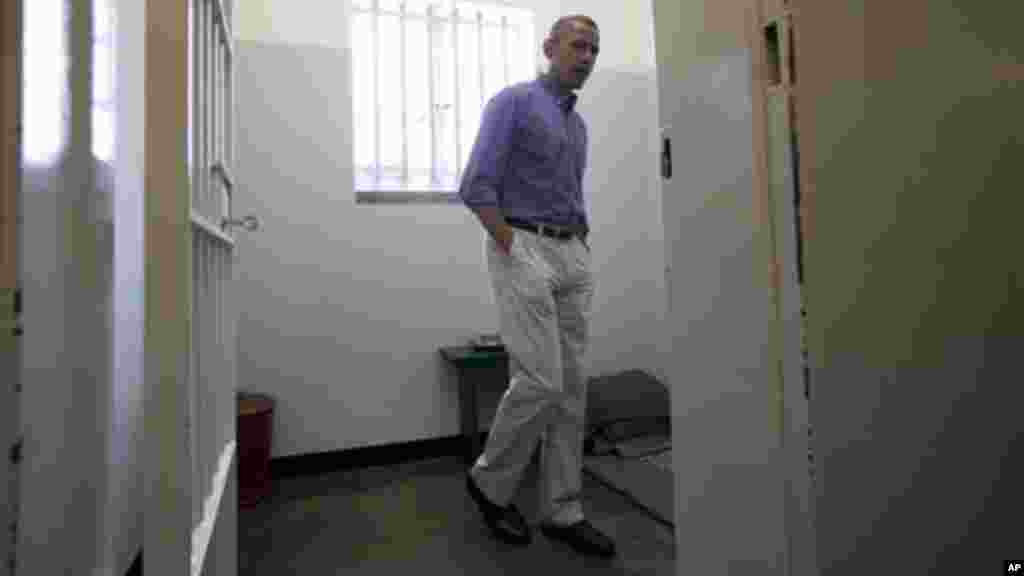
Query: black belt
(558, 232)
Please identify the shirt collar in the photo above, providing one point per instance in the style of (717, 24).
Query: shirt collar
(567, 102)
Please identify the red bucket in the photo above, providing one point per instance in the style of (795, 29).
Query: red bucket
(255, 427)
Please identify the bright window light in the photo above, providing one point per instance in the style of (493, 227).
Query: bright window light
(104, 83)
(44, 89)
(422, 71)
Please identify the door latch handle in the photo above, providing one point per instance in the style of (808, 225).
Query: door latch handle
(14, 452)
(249, 223)
(666, 157)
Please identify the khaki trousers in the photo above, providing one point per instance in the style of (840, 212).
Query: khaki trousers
(543, 288)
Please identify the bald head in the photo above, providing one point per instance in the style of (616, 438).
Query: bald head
(571, 47)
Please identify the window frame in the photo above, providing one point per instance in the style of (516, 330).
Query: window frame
(436, 192)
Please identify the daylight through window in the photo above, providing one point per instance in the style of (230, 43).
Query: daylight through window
(422, 71)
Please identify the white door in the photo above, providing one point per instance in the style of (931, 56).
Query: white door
(727, 390)
(213, 350)
(191, 322)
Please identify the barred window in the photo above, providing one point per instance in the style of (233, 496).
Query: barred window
(422, 71)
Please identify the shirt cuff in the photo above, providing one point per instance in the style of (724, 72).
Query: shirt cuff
(480, 196)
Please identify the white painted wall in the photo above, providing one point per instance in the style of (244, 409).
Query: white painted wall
(345, 305)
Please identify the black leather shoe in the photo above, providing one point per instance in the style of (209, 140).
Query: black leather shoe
(505, 522)
(582, 537)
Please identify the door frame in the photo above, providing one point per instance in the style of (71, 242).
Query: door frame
(775, 172)
(175, 540)
(10, 115)
(167, 462)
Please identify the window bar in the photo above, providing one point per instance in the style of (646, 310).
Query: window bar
(199, 318)
(217, 386)
(212, 105)
(210, 345)
(224, 123)
(481, 57)
(215, 124)
(221, 120)
(229, 121)
(376, 92)
(228, 52)
(204, 359)
(504, 49)
(457, 169)
(224, 19)
(200, 97)
(218, 90)
(233, 114)
(195, 369)
(215, 47)
(218, 142)
(405, 98)
(229, 273)
(225, 157)
(197, 170)
(211, 119)
(202, 101)
(222, 94)
(193, 353)
(432, 112)
(210, 272)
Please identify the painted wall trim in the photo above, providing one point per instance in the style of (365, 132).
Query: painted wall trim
(407, 197)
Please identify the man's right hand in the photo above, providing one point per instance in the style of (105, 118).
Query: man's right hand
(504, 237)
(494, 223)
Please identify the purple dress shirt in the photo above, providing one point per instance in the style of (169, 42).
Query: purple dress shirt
(529, 157)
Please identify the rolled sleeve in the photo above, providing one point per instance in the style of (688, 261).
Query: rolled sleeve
(485, 170)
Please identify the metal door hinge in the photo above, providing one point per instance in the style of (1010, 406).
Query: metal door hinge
(15, 452)
(666, 157)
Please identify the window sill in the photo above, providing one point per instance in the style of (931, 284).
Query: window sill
(406, 197)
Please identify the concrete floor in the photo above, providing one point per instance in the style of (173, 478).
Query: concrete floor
(417, 518)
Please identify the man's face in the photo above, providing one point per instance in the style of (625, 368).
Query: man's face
(573, 53)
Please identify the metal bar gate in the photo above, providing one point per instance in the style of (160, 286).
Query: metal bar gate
(212, 359)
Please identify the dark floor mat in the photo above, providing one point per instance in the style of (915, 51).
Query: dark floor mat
(641, 470)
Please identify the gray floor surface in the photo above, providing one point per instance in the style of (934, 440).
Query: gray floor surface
(417, 518)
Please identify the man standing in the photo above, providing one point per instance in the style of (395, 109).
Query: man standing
(524, 183)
